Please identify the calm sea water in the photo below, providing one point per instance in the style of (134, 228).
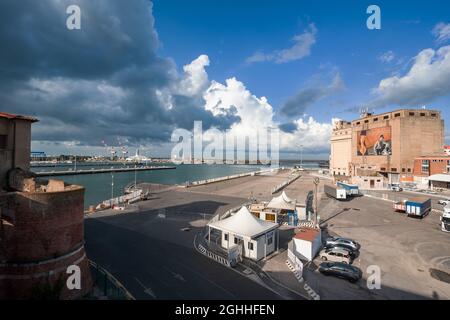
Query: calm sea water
(98, 186)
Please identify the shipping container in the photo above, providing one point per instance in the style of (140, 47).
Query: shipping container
(351, 189)
(400, 206)
(418, 207)
(335, 192)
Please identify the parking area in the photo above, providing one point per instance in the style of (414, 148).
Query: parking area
(408, 251)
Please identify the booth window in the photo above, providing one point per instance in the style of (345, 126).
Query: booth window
(3, 141)
(250, 246)
(269, 240)
(225, 236)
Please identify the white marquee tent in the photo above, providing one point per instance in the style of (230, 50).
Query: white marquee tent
(257, 236)
(282, 202)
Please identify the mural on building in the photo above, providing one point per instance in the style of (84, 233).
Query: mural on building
(374, 142)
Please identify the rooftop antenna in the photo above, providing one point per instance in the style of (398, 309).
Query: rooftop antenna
(363, 111)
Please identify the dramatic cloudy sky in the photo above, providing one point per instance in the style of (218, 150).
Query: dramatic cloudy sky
(138, 70)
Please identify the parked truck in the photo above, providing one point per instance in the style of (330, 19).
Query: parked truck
(350, 189)
(335, 192)
(400, 206)
(418, 207)
(445, 219)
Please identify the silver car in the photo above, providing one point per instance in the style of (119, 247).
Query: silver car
(344, 241)
(336, 255)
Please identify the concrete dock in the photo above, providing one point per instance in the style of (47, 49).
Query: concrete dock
(149, 247)
(103, 170)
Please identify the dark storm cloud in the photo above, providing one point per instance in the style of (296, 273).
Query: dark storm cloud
(296, 105)
(102, 82)
(288, 127)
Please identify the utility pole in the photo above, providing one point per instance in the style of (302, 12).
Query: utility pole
(316, 186)
(135, 176)
(75, 163)
(112, 185)
(301, 155)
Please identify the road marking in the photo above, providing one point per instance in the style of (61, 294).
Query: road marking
(177, 276)
(148, 290)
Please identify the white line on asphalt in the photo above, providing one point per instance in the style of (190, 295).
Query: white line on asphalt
(148, 290)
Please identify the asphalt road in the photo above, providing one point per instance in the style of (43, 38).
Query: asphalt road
(151, 268)
(405, 249)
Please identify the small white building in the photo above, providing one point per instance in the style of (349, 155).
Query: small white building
(257, 238)
(307, 242)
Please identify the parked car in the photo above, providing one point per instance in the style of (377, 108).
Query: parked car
(444, 202)
(339, 240)
(341, 270)
(351, 250)
(336, 254)
(395, 187)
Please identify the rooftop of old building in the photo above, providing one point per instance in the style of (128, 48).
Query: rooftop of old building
(5, 115)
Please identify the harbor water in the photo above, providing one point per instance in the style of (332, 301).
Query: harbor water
(102, 186)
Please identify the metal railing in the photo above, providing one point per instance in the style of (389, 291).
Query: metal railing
(108, 285)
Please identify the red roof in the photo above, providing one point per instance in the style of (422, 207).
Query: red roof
(17, 117)
(307, 234)
(446, 147)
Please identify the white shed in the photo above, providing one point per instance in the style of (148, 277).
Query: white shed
(307, 242)
(257, 238)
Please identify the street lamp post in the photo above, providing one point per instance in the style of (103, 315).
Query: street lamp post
(135, 177)
(112, 186)
(316, 185)
(301, 155)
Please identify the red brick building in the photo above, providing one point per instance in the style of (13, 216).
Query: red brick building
(426, 166)
(41, 224)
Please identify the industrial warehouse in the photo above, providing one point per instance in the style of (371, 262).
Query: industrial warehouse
(402, 146)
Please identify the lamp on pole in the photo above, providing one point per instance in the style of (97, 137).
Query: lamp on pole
(112, 185)
(316, 185)
(135, 176)
(301, 155)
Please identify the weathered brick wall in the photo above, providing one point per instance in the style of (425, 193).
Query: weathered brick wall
(43, 236)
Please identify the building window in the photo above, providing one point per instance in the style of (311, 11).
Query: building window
(397, 115)
(386, 117)
(3, 141)
(409, 169)
(422, 114)
(236, 240)
(269, 239)
(403, 170)
(383, 169)
(394, 169)
(448, 166)
(411, 114)
(250, 246)
(358, 123)
(225, 236)
(433, 114)
(375, 119)
(425, 166)
(366, 121)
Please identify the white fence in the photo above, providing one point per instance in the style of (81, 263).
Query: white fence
(296, 263)
(128, 198)
(208, 181)
(285, 184)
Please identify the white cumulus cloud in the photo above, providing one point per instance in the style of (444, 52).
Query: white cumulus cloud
(442, 32)
(427, 80)
(195, 76)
